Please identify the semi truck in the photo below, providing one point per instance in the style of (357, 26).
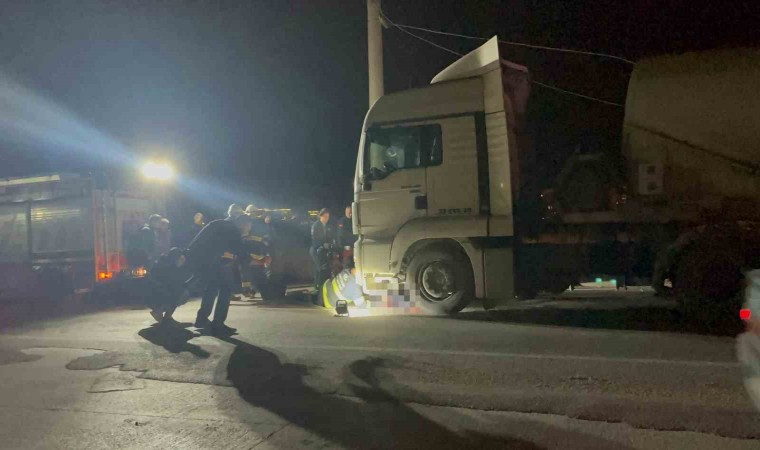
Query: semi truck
(63, 233)
(445, 203)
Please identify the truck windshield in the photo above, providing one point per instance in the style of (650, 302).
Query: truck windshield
(408, 147)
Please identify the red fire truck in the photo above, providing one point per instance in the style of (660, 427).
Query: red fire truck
(63, 233)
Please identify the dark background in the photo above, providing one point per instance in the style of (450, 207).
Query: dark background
(263, 100)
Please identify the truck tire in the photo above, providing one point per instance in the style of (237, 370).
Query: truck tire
(440, 280)
(708, 279)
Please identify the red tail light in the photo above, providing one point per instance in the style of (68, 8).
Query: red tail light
(745, 314)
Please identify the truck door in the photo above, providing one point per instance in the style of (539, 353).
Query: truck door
(453, 179)
(393, 182)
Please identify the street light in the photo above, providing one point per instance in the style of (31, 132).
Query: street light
(157, 171)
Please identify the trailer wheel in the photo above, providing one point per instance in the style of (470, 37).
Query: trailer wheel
(441, 280)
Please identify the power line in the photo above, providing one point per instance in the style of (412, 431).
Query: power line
(544, 85)
(519, 44)
(478, 38)
(588, 97)
(387, 19)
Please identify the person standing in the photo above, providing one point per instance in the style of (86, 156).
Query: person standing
(255, 273)
(144, 245)
(322, 241)
(211, 256)
(232, 271)
(268, 229)
(346, 238)
(163, 237)
(168, 286)
(199, 221)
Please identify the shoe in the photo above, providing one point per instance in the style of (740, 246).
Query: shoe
(202, 322)
(222, 330)
(157, 315)
(169, 322)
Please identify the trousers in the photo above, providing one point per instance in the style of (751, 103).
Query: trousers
(321, 266)
(217, 286)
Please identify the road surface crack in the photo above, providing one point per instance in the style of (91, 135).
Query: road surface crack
(270, 435)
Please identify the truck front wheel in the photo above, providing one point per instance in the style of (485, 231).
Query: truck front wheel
(708, 279)
(440, 280)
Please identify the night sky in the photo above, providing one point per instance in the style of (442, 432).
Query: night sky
(269, 96)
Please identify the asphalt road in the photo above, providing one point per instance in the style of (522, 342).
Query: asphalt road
(590, 370)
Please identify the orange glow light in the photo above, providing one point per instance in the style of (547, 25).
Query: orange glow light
(105, 275)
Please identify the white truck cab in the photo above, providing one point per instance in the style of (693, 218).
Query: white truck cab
(435, 184)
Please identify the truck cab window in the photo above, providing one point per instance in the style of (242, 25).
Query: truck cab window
(398, 148)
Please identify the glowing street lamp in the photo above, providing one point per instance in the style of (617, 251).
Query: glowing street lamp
(157, 171)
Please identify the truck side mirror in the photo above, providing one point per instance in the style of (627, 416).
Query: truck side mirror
(375, 174)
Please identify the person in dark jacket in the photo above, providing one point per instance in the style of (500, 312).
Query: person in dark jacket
(255, 273)
(199, 221)
(144, 246)
(211, 256)
(322, 242)
(163, 237)
(346, 238)
(167, 286)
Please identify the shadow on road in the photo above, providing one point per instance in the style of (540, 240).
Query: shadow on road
(19, 312)
(631, 318)
(291, 300)
(175, 339)
(375, 420)
(370, 417)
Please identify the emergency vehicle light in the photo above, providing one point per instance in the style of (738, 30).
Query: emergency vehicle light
(745, 314)
(105, 275)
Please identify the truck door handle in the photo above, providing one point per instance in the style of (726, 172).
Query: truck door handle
(420, 202)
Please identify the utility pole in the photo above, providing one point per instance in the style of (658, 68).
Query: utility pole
(374, 51)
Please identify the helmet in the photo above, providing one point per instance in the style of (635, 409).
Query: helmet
(235, 211)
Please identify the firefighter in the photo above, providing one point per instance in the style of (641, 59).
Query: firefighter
(233, 271)
(144, 245)
(167, 286)
(322, 243)
(344, 287)
(268, 229)
(163, 237)
(252, 210)
(255, 275)
(211, 255)
(346, 238)
(199, 221)
(234, 211)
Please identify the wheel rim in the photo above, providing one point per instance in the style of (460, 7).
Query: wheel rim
(437, 281)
